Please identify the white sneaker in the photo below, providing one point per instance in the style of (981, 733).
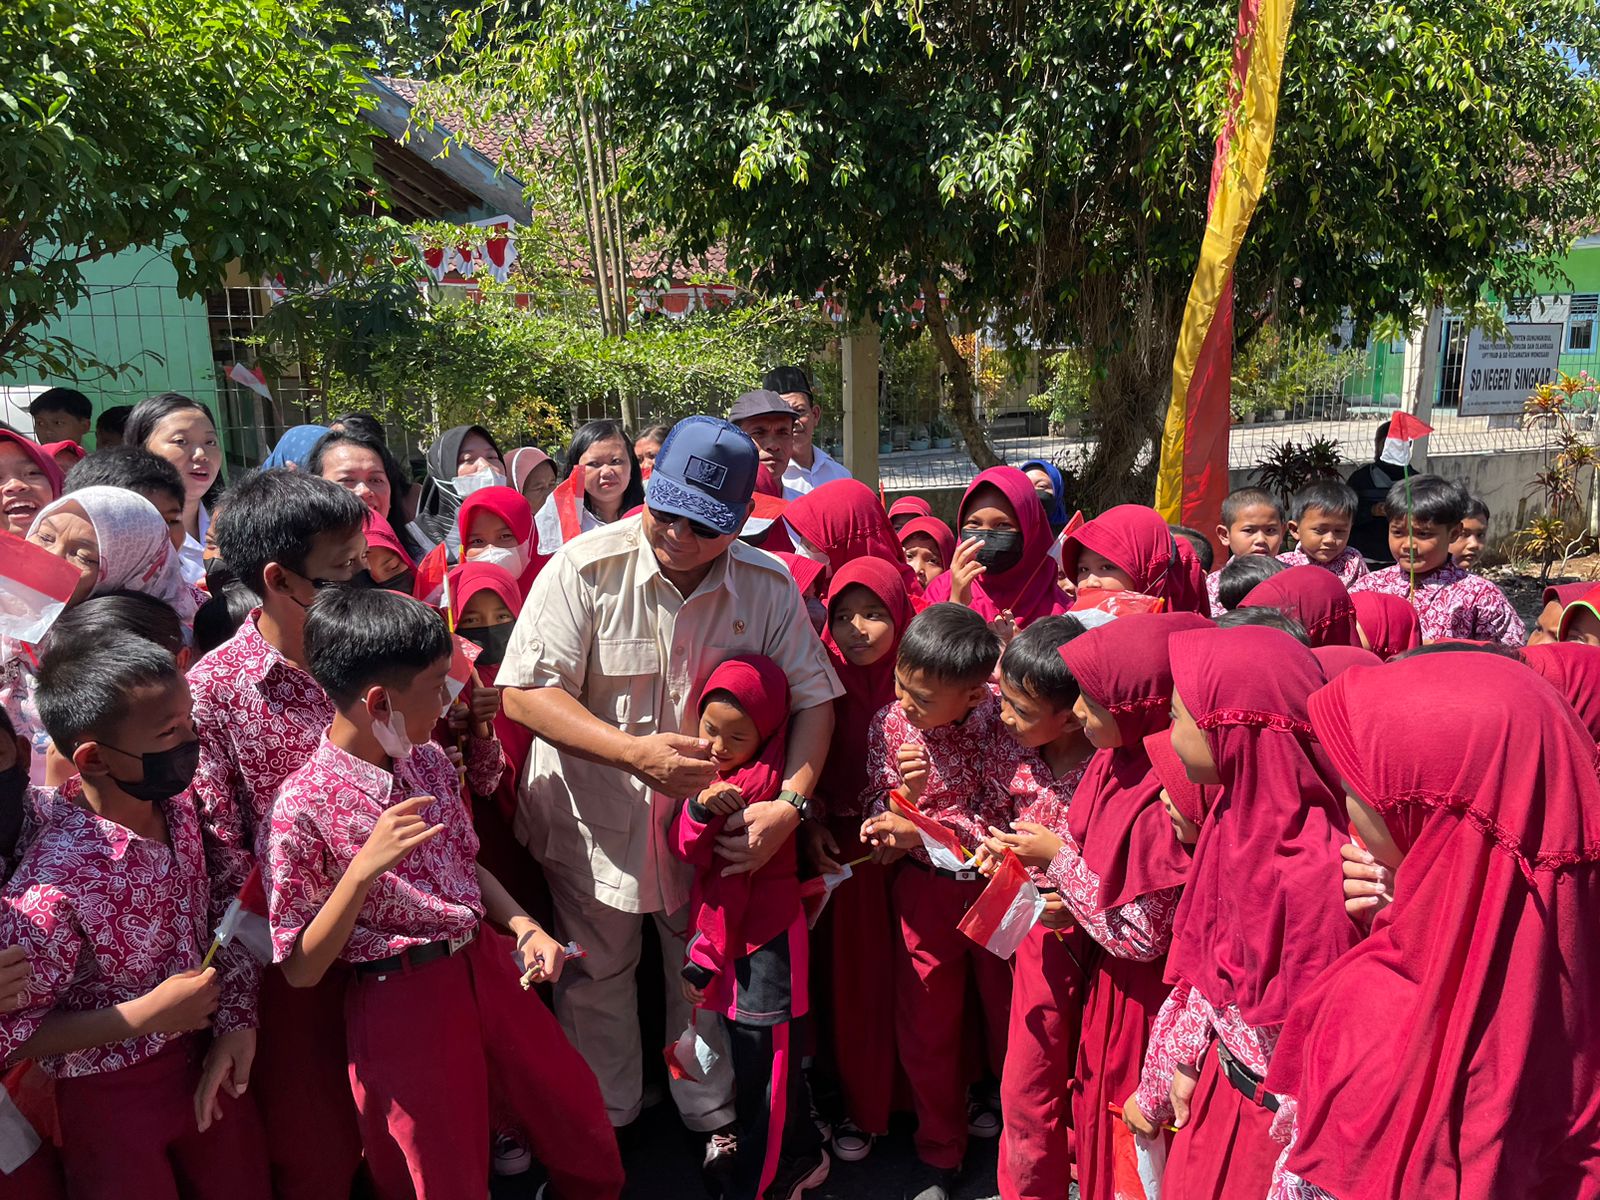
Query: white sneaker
(509, 1156)
(849, 1143)
(721, 1146)
(982, 1121)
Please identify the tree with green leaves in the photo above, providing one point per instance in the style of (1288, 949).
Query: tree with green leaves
(1042, 167)
(224, 131)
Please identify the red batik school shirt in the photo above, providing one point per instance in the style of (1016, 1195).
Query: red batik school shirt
(324, 814)
(1451, 603)
(1042, 797)
(104, 916)
(970, 764)
(1349, 566)
(1183, 1030)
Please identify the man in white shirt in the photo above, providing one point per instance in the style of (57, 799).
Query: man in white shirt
(810, 466)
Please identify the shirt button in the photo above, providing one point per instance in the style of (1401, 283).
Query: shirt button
(673, 695)
(630, 540)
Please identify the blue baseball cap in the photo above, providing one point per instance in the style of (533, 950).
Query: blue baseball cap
(705, 471)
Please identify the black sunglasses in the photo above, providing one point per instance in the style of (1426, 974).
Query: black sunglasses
(704, 532)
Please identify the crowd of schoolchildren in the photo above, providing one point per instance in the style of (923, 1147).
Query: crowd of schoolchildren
(1309, 843)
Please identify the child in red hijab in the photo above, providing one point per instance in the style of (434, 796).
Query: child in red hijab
(1573, 669)
(929, 547)
(1002, 569)
(1386, 624)
(747, 950)
(1129, 548)
(1313, 596)
(843, 521)
(868, 612)
(1547, 628)
(1453, 1052)
(907, 508)
(496, 527)
(1121, 875)
(1257, 922)
(387, 560)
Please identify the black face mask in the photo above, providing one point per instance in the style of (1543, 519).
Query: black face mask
(492, 639)
(1001, 549)
(361, 580)
(405, 582)
(166, 772)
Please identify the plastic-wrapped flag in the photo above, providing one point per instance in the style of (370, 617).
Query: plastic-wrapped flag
(1006, 911)
(462, 656)
(1151, 1156)
(35, 586)
(245, 919)
(815, 892)
(691, 1056)
(944, 848)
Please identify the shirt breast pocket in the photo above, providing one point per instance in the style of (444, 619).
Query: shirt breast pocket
(630, 669)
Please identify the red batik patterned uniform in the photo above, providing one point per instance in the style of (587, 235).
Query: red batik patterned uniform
(1042, 798)
(1349, 566)
(1140, 930)
(323, 816)
(1183, 1031)
(1451, 603)
(105, 915)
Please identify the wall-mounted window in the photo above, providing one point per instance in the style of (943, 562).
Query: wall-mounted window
(1580, 323)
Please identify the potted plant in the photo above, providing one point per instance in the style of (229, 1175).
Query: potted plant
(920, 440)
(943, 436)
(885, 442)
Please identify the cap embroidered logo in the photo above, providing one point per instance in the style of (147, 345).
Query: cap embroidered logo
(705, 472)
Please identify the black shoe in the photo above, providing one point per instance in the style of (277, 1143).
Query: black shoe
(932, 1183)
(797, 1176)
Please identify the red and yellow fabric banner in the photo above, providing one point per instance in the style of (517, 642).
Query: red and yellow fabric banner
(1193, 478)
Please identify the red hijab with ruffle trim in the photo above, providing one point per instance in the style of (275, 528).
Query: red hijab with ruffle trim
(845, 520)
(1315, 597)
(1116, 815)
(1391, 625)
(1573, 669)
(1453, 1052)
(1261, 915)
(1028, 590)
(1137, 540)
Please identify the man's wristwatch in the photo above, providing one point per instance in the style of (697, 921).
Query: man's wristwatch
(801, 804)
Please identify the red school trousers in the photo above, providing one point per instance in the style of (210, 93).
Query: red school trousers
(861, 939)
(1226, 1151)
(131, 1135)
(430, 1046)
(302, 1087)
(933, 967)
(1048, 983)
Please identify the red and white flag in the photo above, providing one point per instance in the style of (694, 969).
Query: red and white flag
(1007, 910)
(569, 503)
(462, 656)
(691, 1056)
(246, 920)
(252, 378)
(1404, 431)
(429, 586)
(35, 586)
(943, 847)
(815, 893)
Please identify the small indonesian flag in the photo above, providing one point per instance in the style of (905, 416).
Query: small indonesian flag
(1008, 908)
(690, 1057)
(1404, 430)
(943, 847)
(462, 656)
(35, 586)
(1150, 1156)
(569, 504)
(431, 571)
(246, 920)
(252, 378)
(814, 893)
(1118, 604)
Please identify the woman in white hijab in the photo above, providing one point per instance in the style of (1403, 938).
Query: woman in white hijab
(118, 541)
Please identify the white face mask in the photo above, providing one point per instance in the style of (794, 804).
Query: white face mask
(392, 736)
(804, 548)
(465, 485)
(513, 558)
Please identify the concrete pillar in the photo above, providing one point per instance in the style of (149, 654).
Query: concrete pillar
(860, 362)
(1422, 377)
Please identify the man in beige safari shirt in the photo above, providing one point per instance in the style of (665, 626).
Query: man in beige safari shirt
(621, 629)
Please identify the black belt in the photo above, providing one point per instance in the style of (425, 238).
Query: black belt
(968, 875)
(1246, 1080)
(410, 960)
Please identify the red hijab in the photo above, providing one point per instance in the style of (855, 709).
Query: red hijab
(910, 504)
(1028, 590)
(1313, 596)
(1390, 623)
(936, 529)
(806, 571)
(511, 507)
(1116, 815)
(845, 520)
(1136, 539)
(1192, 800)
(1565, 593)
(1573, 669)
(1453, 1052)
(866, 689)
(1261, 915)
(33, 450)
(760, 688)
(466, 581)
(1190, 580)
(1336, 660)
(381, 534)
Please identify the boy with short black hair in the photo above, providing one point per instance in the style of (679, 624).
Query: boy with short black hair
(1425, 514)
(1467, 549)
(60, 414)
(1323, 513)
(109, 425)
(1203, 550)
(1037, 693)
(942, 747)
(288, 536)
(1239, 576)
(134, 469)
(114, 909)
(1253, 523)
(372, 860)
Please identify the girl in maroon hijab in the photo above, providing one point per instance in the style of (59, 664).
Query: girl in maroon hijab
(1453, 1052)
(1387, 625)
(1129, 548)
(844, 520)
(1258, 921)
(1573, 669)
(933, 549)
(1313, 596)
(868, 611)
(1125, 875)
(496, 527)
(1002, 568)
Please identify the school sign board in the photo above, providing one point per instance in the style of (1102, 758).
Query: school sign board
(1498, 374)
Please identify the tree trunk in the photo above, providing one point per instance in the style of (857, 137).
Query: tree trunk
(1126, 405)
(959, 402)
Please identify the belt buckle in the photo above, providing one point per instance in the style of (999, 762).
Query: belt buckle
(966, 875)
(458, 944)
